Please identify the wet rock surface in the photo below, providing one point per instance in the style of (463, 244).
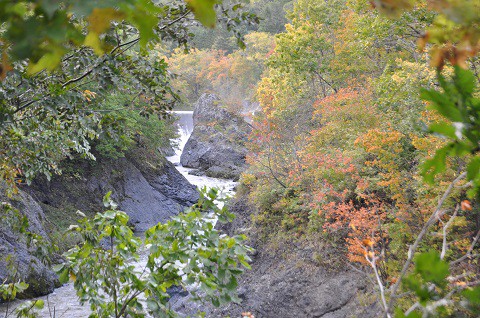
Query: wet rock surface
(217, 144)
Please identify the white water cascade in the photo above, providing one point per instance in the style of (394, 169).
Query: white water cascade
(185, 128)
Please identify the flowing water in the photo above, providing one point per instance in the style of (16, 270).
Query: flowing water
(185, 128)
(63, 302)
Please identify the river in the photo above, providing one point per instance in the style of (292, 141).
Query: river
(63, 302)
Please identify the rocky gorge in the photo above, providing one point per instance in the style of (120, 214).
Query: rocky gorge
(286, 279)
(149, 188)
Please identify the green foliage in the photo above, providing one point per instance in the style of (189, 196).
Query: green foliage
(92, 51)
(13, 221)
(204, 11)
(124, 127)
(458, 105)
(43, 31)
(432, 290)
(9, 291)
(339, 123)
(28, 309)
(473, 297)
(273, 14)
(45, 119)
(429, 269)
(187, 250)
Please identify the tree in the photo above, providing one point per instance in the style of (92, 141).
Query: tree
(61, 61)
(187, 250)
(348, 160)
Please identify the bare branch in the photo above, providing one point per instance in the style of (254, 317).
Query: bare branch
(411, 251)
(373, 264)
(445, 228)
(469, 252)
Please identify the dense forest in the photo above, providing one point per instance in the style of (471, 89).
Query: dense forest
(365, 139)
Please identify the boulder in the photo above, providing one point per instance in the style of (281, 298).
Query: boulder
(149, 199)
(217, 144)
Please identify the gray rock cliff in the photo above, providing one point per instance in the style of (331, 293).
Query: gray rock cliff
(216, 146)
(289, 280)
(16, 258)
(148, 189)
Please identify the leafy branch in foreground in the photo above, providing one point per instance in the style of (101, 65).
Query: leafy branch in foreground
(436, 285)
(458, 105)
(109, 274)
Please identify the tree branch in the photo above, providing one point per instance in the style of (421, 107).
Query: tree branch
(411, 251)
(445, 227)
(469, 252)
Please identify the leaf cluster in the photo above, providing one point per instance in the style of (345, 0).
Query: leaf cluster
(185, 251)
(459, 106)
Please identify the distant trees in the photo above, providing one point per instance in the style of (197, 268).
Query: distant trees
(233, 77)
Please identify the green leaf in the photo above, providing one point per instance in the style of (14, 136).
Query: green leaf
(464, 81)
(443, 129)
(399, 314)
(473, 168)
(442, 104)
(63, 276)
(39, 304)
(100, 19)
(49, 7)
(432, 268)
(204, 11)
(48, 61)
(435, 165)
(473, 297)
(232, 284)
(152, 305)
(93, 40)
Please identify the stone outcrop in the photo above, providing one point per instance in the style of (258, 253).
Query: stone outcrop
(16, 258)
(217, 144)
(149, 190)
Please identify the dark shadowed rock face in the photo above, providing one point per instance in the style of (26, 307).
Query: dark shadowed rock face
(149, 199)
(148, 190)
(216, 146)
(26, 266)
